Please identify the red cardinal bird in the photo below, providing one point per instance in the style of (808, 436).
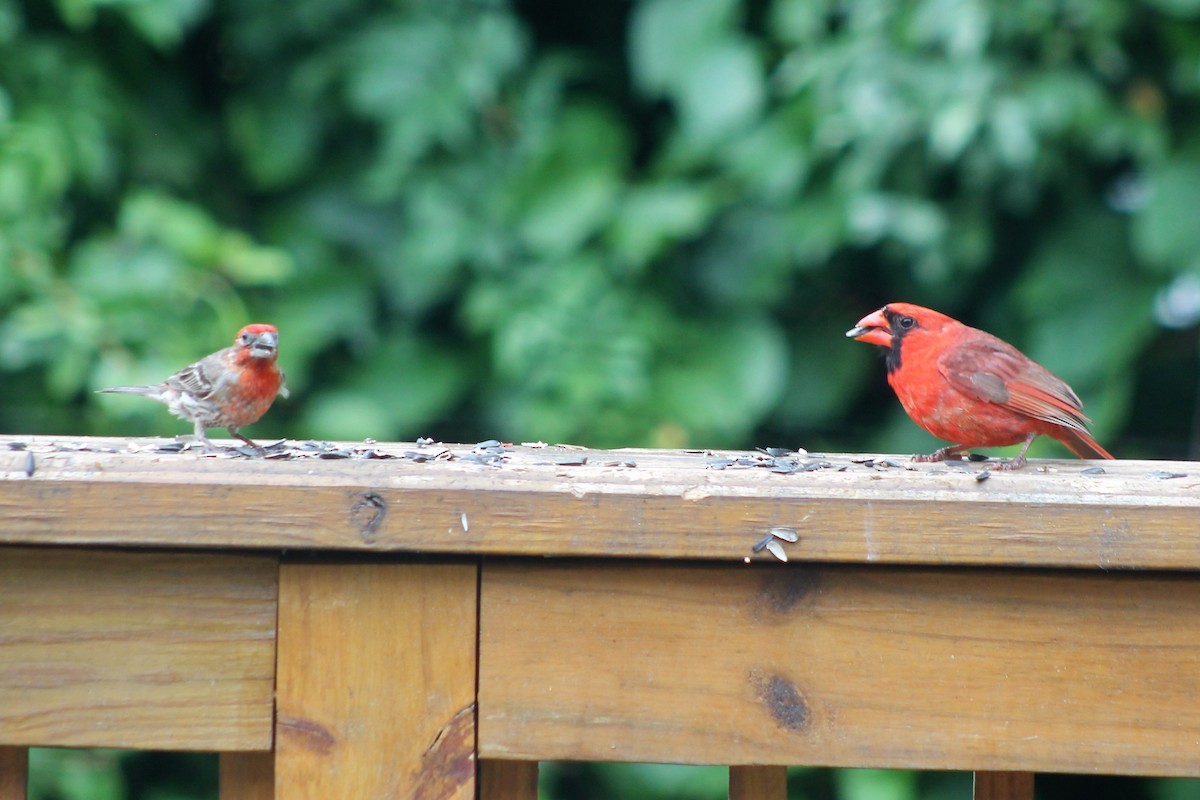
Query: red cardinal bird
(968, 387)
(228, 389)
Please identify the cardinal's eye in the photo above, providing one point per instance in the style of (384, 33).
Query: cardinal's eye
(906, 323)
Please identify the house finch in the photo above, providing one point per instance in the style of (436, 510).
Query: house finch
(968, 387)
(228, 389)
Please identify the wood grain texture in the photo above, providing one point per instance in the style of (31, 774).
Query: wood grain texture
(508, 780)
(1003, 786)
(376, 681)
(841, 666)
(757, 783)
(141, 650)
(247, 776)
(14, 772)
(672, 504)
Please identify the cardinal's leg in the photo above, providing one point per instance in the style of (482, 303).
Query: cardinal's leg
(1019, 459)
(953, 451)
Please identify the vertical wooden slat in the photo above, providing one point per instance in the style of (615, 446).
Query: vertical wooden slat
(757, 783)
(376, 681)
(247, 776)
(14, 772)
(1003, 786)
(508, 780)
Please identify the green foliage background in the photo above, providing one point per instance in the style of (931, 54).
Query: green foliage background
(645, 222)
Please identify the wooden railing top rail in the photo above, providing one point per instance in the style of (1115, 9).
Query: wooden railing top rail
(561, 501)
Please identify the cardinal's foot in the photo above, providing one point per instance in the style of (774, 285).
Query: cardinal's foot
(945, 454)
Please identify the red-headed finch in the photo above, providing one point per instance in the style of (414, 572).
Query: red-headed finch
(228, 389)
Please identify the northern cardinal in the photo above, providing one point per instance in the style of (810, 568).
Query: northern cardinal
(968, 387)
(227, 389)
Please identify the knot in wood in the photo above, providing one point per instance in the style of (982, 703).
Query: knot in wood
(448, 764)
(367, 513)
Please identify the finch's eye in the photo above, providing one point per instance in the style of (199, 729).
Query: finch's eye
(906, 323)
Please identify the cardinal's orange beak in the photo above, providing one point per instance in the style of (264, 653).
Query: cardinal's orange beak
(872, 329)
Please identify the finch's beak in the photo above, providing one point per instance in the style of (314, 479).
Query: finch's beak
(872, 329)
(264, 345)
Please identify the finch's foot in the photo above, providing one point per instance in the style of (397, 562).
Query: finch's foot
(249, 442)
(191, 442)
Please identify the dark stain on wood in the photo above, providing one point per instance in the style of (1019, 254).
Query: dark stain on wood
(311, 735)
(783, 590)
(783, 700)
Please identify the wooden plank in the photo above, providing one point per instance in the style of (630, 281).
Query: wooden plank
(376, 680)
(139, 650)
(14, 772)
(508, 780)
(1003, 786)
(841, 666)
(247, 776)
(757, 783)
(671, 505)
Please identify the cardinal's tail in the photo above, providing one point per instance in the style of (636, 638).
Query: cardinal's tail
(1081, 444)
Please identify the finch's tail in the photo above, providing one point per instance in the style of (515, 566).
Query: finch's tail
(1081, 444)
(144, 391)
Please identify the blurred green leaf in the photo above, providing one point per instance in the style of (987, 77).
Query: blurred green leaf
(1187, 9)
(654, 217)
(799, 21)
(1088, 312)
(875, 784)
(277, 137)
(568, 192)
(823, 377)
(188, 233)
(719, 379)
(668, 36)
(691, 51)
(370, 402)
(722, 90)
(75, 775)
(1165, 232)
(161, 22)
(1175, 788)
(426, 76)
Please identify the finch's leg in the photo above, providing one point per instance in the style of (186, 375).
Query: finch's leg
(234, 433)
(201, 437)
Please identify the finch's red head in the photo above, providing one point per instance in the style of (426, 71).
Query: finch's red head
(258, 340)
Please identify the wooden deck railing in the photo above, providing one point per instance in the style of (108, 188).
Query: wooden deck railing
(393, 621)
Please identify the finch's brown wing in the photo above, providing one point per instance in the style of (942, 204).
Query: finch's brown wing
(197, 379)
